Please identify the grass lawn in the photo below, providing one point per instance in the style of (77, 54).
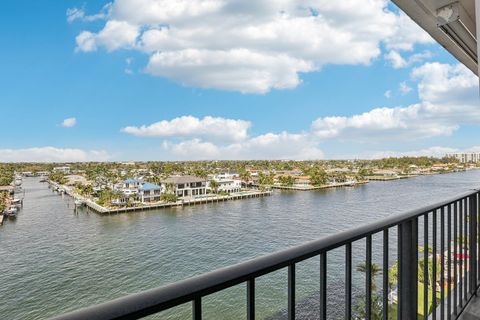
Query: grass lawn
(392, 310)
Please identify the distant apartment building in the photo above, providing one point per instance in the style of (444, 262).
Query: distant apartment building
(465, 157)
(185, 186)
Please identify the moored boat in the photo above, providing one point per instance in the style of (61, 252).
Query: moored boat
(17, 203)
(79, 202)
(11, 212)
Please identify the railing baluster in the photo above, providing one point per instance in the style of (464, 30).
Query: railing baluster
(425, 266)
(449, 258)
(197, 309)
(323, 286)
(408, 269)
(434, 264)
(400, 271)
(348, 281)
(455, 262)
(291, 292)
(385, 275)
(474, 242)
(460, 249)
(472, 245)
(477, 206)
(368, 278)
(442, 265)
(251, 299)
(465, 252)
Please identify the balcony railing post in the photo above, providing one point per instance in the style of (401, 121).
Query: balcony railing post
(473, 243)
(408, 277)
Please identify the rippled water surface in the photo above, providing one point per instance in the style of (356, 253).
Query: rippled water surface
(54, 260)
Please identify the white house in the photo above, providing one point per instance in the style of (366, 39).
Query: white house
(149, 192)
(227, 185)
(132, 184)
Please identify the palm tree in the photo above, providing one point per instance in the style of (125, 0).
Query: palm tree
(214, 185)
(245, 176)
(375, 270)
(377, 309)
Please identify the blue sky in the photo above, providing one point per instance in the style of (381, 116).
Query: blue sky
(264, 86)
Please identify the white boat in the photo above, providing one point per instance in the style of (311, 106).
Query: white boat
(11, 212)
(79, 202)
(17, 203)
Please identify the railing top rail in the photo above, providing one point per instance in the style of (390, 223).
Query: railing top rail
(158, 299)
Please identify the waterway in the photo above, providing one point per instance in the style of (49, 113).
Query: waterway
(54, 259)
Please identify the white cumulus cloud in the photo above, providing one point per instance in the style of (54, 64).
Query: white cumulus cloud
(266, 146)
(398, 61)
(405, 88)
(52, 154)
(189, 126)
(448, 98)
(74, 14)
(251, 46)
(69, 122)
(115, 35)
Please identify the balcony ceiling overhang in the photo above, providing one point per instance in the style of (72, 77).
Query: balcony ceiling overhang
(451, 23)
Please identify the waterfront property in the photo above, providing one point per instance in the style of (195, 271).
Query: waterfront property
(225, 185)
(132, 184)
(185, 186)
(149, 192)
(64, 170)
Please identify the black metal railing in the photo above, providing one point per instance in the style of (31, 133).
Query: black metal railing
(456, 283)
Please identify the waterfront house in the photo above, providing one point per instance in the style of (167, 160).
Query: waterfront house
(439, 166)
(149, 192)
(132, 184)
(185, 186)
(303, 181)
(385, 173)
(227, 185)
(64, 170)
(226, 176)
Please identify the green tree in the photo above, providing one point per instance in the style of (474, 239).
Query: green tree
(168, 197)
(318, 177)
(377, 306)
(287, 181)
(214, 185)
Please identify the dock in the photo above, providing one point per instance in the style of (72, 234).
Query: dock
(146, 207)
(326, 186)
